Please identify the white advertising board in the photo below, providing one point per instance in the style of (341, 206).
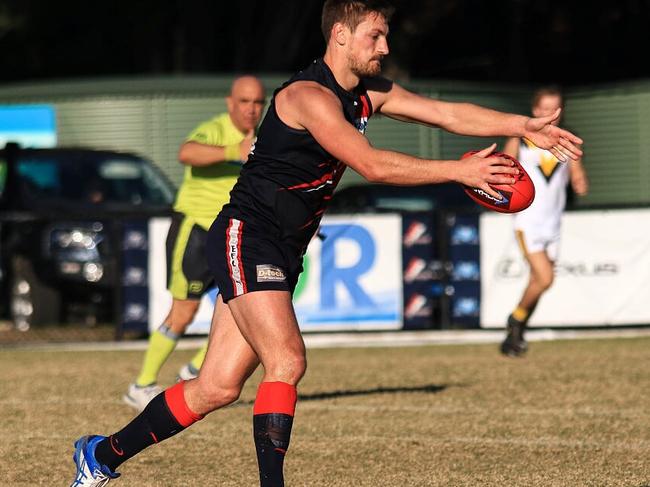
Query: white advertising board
(602, 274)
(352, 278)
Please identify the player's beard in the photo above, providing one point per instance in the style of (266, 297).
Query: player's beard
(367, 69)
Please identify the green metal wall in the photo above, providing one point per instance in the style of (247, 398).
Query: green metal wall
(152, 116)
(151, 127)
(614, 122)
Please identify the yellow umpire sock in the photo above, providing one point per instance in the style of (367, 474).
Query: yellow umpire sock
(161, 344)
(197, 360)
(520, 314)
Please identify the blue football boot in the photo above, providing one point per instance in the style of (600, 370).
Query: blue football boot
(90, 472)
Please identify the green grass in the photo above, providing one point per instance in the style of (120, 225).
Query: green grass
(574, 413)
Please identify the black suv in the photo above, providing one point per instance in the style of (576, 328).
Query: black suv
(61, 211)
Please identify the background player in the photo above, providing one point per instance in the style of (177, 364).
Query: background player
(212, 154)
(537, 228)
(310, 133)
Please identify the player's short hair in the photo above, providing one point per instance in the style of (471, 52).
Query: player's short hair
(549, 90)
(351, 13)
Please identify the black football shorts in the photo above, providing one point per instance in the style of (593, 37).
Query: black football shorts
(244, 258)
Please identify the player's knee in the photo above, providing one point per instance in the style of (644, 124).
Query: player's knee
(541, 280)
(546, 281)
(180, 317)
(299, 367)
(290, 369)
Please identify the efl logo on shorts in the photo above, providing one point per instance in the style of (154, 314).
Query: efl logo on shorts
(270, 273)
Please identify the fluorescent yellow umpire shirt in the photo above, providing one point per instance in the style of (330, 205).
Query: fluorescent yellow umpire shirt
(205, 190)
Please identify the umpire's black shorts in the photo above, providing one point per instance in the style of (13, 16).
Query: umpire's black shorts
(188, 274)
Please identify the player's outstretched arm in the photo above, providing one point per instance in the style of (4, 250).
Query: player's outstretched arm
(579, 180)
(308, 106)
(467, 119)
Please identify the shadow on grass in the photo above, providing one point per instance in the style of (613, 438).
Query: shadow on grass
(321, 396)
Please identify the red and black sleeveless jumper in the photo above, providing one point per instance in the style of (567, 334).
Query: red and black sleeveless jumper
(282, 192)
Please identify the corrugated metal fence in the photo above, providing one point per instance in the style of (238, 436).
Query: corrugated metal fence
(152, 116)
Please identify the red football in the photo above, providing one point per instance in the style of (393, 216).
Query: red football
(516, 197)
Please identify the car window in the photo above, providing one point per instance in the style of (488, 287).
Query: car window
(79, 178)
(134, 182)
(160, 189)
(39, 177)
(404, 203)
(120, 170)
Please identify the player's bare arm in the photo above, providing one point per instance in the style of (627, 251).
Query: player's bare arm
(511, 147)
(467, 119)
(579, 180)
(196, 154)
(308, 106)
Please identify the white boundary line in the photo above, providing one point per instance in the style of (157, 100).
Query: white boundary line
(364, 339)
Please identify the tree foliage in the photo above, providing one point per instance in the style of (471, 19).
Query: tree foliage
(509, 40)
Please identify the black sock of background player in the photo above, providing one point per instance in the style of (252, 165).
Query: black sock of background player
(272, 421)
(166, 415)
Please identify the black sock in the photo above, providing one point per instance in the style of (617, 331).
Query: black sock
(272, 433)
(154, 424)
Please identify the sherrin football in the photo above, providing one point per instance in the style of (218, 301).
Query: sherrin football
(516, 197)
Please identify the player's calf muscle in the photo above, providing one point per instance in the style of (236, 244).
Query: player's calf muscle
(206, 397)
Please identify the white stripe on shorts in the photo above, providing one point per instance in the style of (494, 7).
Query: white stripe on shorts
(235, 268)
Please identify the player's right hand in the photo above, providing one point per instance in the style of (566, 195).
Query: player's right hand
(246, 144)
(481, 169)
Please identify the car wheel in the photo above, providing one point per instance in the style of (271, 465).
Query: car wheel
(33, 303)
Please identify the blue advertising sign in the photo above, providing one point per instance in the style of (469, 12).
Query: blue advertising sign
(353, 277)
(28, 125)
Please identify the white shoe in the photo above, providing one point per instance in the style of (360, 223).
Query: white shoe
(187, 372)
(138, 397)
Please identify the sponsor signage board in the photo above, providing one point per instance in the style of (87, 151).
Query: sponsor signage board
(352, 277)
(602, 274)
(32, 126)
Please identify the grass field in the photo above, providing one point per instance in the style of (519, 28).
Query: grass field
(574, 413)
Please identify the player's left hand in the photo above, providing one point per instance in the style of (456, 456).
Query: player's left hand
(561, 143)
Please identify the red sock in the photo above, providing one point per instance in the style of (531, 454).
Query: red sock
(175, 399)
(275, 397)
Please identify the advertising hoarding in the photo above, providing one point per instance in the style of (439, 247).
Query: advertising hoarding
(602, 274)
(32, 126)
(352, 277)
